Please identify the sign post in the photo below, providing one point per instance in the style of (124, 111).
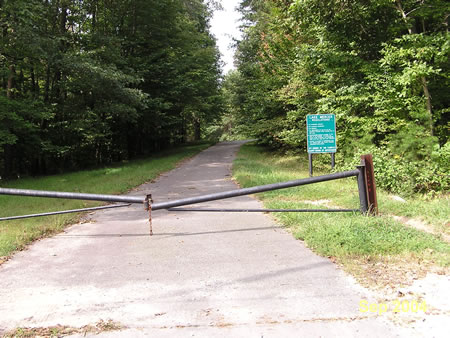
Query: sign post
(321, 137)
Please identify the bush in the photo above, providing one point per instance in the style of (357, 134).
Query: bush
(397, 174)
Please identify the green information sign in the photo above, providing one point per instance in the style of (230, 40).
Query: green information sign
(321, 130)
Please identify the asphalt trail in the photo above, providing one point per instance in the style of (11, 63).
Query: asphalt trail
(202, 274)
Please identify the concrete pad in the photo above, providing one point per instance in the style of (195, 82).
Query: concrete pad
(201, 274)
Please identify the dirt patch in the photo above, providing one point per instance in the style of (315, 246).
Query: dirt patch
(391, 273)
(397, 199)
(326, 203)
(420, 225)
(62, 331)
(395, 280)
(3, 259)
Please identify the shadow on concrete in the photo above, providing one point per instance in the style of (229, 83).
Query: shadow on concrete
(170, 234)
(251, 279)
(277, 273)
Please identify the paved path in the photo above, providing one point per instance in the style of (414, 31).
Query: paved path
(208, 275)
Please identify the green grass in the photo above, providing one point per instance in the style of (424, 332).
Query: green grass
(116, 179)
(343, 235)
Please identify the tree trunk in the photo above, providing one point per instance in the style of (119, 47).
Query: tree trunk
(62, 24)
(20, 82)
(47, 85)
(94, 16)
(412, 29)
(11, 82)
(7, 164)
(429, 106)
(197, 130)
(8, 153)
(60, 77)
(33, 82)
(426, 92)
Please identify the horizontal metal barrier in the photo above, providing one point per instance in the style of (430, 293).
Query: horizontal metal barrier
(253, 190)
(72, 195)
(364, 174)
(53, 213)
(262, 210)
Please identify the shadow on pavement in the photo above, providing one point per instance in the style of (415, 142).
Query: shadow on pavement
(165, 234)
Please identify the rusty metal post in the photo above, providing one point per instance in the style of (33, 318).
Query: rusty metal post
(370, 184)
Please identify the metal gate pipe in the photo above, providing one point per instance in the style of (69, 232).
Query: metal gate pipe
(75, 196)
(263, 210)
(53, 213)
(253, 190)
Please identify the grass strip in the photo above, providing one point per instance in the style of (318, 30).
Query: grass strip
(63, 331)
(116, 179)
(345, 237)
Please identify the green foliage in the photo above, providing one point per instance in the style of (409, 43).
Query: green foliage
(405, 66)
(226, 130)
(382, 67)
(400, 174)
(411, 142)
(85, 83)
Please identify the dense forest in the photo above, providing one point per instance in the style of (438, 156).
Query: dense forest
(382, 66)
(88, 82)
